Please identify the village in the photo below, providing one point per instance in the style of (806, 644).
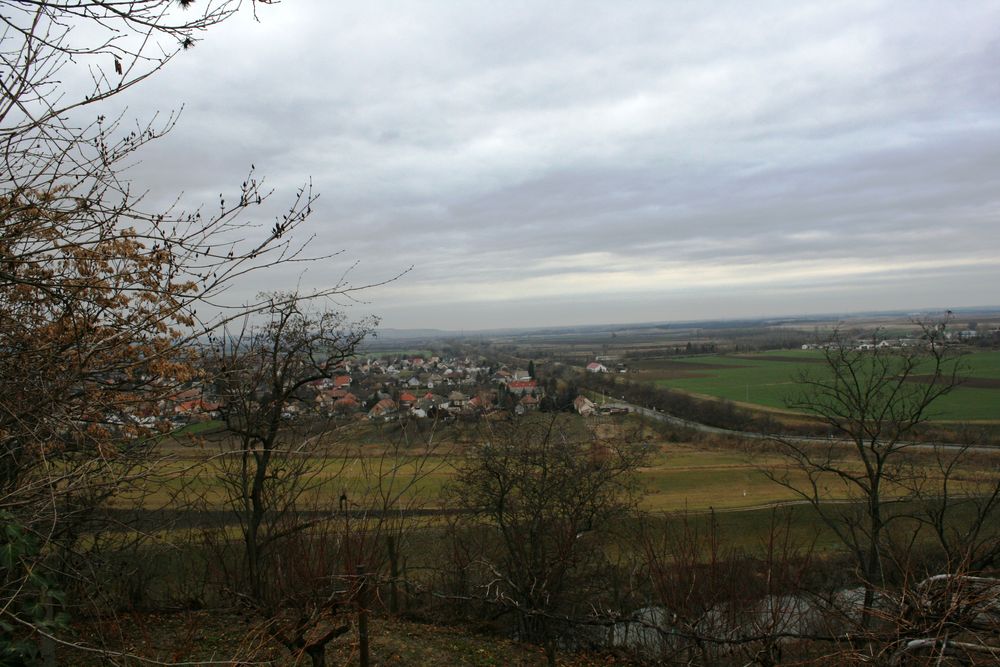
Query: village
(387, 388)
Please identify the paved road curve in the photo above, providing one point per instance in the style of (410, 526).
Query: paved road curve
(653, 413)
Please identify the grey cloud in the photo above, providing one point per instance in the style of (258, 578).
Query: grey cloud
(479, 142)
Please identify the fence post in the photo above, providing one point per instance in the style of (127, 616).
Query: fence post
(393, 575)
(362, 601)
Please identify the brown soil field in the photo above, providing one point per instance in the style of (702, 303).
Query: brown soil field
(653, 375)
(778, 357)
(667, 365)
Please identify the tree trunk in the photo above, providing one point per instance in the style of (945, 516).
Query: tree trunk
(873, 568)
(317, 654)
(550, 652)
(362, 616)
(47, 647)
(255, 520)
(393, 575)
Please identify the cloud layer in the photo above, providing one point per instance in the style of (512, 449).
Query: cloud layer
(549, 163)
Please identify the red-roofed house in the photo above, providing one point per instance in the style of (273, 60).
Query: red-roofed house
(348, 403)
(526, 404)
(384, 409)
(524, 386)
(195, 406)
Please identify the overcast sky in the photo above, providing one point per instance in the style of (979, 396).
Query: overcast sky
(576, 162)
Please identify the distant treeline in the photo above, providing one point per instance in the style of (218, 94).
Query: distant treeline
(672, 351)
(721, 414)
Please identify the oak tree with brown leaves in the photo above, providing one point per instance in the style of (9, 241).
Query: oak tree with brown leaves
(103, 301)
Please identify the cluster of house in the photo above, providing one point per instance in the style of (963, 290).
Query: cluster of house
(964, 335)
(869, 344)
(479, 402)
(385, 389)
(191, 404)
(598, 367)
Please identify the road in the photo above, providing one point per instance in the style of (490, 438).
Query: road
(653, 413)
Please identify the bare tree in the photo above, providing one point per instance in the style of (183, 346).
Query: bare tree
(543, 498)
(319, 519)
(718, 603)
(874, 397)
(322, 572)
(260, 374)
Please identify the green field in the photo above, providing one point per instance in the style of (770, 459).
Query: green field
(769, 379)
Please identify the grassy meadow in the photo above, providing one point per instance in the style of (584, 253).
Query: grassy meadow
(768, 379)
(370, 463)
(709, 492)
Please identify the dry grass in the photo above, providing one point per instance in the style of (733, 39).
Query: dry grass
(678, 476)
(232, 639)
